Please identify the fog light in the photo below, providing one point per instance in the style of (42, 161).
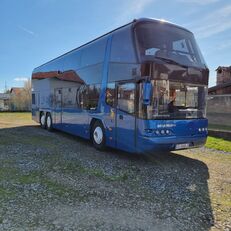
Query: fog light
(148, 130)
(162, 132)
(157, 132)
(167, 131)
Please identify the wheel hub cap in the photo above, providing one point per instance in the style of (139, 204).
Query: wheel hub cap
(98, 135)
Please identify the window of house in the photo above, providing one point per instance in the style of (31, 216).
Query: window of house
(33, 99)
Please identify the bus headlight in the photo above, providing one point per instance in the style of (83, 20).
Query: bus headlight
(157, 132)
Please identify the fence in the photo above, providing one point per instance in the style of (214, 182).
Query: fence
(219, 112)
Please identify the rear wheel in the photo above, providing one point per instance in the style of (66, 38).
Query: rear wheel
(43, 120)
(49, 122)
(98, 135)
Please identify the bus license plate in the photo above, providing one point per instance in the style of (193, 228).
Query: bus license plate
(181, 146)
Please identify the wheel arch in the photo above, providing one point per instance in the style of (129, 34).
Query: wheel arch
(93, 120)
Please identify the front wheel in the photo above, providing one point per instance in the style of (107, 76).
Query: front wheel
(98, 136)
(49, 122)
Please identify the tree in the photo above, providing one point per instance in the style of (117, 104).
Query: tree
(21, 97)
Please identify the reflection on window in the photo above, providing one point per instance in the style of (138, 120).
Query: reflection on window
(169, 42)
(110, 94)
(126, 97)
(122, 46)
(93, 96)
(88, 96)
(93, 53)
(69, 97)
(174, 100)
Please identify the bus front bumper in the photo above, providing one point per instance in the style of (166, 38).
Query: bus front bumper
(152, 144)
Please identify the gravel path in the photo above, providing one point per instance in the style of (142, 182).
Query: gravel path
(54, 181)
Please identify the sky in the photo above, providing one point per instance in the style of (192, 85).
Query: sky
(33, 32)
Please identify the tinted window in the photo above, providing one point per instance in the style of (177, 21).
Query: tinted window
(126, 97)
(93, 53)
(122, 71)
(122, 49)
(92, 74)
(110, 94)
(88, 96)
(72, 61)
(69, 97)
(93, 96)
(82, 96)
(161, 40)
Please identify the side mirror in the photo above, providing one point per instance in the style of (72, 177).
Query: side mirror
(147, 93)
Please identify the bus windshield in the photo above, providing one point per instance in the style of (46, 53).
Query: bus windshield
(168, 42)
(174, 100)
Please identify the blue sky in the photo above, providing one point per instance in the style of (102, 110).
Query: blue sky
(33, 32)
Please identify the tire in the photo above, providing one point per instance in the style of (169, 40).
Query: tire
(43, 120)
(49, 123)
(98, 136)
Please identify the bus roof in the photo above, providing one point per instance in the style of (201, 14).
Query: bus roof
(135, 21)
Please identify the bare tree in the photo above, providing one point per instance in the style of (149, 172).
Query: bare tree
(21, 99)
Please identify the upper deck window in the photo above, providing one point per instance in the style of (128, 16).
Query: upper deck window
(93, 53)
(161, 40)
(122, 49)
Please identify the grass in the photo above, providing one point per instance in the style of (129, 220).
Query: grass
(218, 144)
(12, 119)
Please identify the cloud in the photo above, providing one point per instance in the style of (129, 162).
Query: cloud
(20, 79)
(198, 2)
(224, 45)
(216, 22)
(131, 9)
(26, 30)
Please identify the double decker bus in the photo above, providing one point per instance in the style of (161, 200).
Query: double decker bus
(140, 88)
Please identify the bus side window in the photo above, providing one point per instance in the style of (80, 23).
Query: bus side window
(126, 97)
(110, 94)
(82, 97)
(122, 49)
(93, 96)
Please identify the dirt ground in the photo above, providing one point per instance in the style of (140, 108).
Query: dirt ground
(55, 181)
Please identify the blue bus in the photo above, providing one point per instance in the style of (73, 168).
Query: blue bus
(139, 88)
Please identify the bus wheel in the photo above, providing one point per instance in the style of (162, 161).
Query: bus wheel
(49, 122)
(98, 136)
(43, 120)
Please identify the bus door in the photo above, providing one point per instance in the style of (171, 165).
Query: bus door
(58, 106)
(125, 116)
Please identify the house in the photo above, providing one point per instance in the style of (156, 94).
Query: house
(223, 86)
(16, 90)
(4, 102)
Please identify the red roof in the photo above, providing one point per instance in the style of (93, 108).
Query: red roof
(16, 90)
(66, 76)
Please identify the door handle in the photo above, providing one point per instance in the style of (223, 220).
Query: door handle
(121, 117)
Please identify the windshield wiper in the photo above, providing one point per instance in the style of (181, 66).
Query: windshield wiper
(171, 61)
